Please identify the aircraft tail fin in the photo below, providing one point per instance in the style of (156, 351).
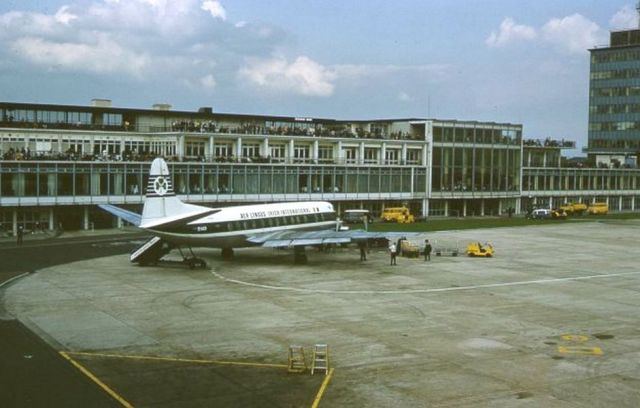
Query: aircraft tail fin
(161, 202)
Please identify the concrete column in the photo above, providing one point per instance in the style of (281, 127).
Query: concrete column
(14, 222)
(499, 207)
(118, 222)
(446, 208)
(361, 153)
(212, 147)
(482, 207)
(289, 153)
(518, 205)
(51, 220)
(315, 150)
(403, 154)
(550, 202)
(464, 208)
(425, 207)
(620, 203)
(238, 152)
(85, 218)
(383, 153)
(180, 147)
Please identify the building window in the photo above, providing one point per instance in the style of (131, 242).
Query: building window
(371, 155)
(112, 119)
(277, 152)
(414, 156)
(301, 153)
(250, 151)
(350, 154)
(106, 148)
(194, 149)
(223, 150)
(325, 154)
(392, 156)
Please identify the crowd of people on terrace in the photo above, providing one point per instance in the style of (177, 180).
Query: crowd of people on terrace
(254, 129)
(22, 124)
(209, 126)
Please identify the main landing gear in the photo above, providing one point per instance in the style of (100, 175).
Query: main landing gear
(299, 255)
(192, 261)
(227, 254)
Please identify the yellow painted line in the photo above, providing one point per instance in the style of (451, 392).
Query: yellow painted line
(593, 351)
(95, 379)
(578, 338)
(322, 389)
(177, 360)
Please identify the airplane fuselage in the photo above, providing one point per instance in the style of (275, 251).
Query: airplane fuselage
(230, 227)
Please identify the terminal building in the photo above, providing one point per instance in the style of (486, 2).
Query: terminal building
(58, 162)
(614, 101)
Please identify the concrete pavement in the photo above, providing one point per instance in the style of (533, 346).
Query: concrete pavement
(550, 321)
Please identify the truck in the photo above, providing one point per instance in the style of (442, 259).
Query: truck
(598, 209)
(574, 208)
(356, 216)
(401, 215)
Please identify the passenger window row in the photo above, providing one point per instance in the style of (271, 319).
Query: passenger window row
(271, 222)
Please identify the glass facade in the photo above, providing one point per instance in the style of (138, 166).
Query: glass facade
(475, 157)
(614, 97)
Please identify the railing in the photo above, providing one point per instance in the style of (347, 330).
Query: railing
(212, 128)
(22, 155)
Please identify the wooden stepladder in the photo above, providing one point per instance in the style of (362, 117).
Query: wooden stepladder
(297, 363)
(320, 359)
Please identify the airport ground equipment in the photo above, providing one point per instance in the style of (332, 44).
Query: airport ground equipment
(598, 209)
(320, 360)
(441, 248)
(409, 249)
(574, 208)
(150, 252)
(357, 216)
(401, 215)
(297, 361)
(476, 249)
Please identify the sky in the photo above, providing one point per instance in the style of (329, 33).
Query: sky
(487, 60)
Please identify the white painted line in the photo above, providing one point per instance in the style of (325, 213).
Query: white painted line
(7, 282)
(432, 290)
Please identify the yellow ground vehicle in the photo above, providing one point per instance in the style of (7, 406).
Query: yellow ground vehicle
(409, 249)
(400, 215)
(574, 208)
(598, 208)
(477, 249)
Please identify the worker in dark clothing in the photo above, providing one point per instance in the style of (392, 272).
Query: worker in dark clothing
(363, 250)
(20, 234)
(427, 250)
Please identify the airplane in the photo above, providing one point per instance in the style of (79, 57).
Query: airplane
(176, 224)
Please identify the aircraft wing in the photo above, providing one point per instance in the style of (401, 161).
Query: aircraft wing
(286, 239)
(126, 215)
